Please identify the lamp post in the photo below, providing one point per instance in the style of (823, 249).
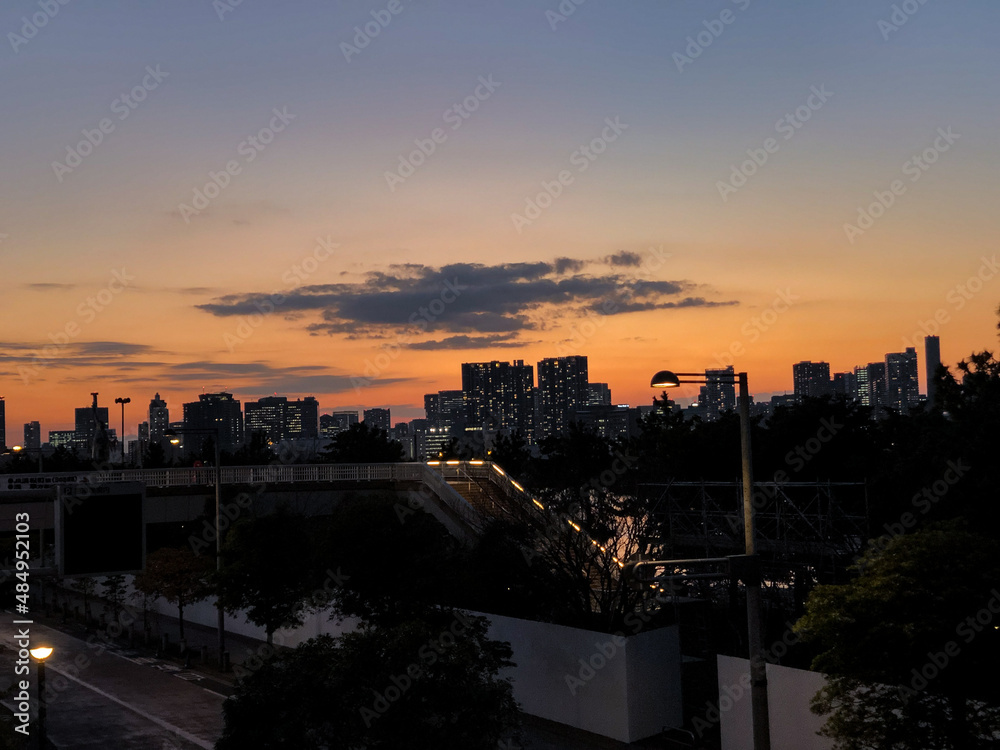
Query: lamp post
(173, 435)
(752, 578)
(41, 653)
(121, 440)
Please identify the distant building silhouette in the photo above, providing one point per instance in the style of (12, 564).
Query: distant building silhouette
(812, 379)
(445, 410)
(600, 395)
(278, 419)
(92, 434)
(3, 423)
(845, 384)
(159, 419)
(874, 394)
(718, 394)
(63, 439)
(563, 386)
(901, 386)
(499, 396)
(338, 421)
(32, 437)
(377, 417)
(932, 361)
(214, 411)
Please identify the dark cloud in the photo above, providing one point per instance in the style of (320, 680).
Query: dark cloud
(50, 287)
(625, 258)
(498, 302)
(467, 342)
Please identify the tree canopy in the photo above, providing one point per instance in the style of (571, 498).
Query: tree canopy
(416, 685)
(909, 646)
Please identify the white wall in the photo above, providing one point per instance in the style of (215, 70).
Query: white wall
(625, 689)
(789, 691)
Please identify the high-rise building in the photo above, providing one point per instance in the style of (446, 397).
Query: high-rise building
(32, 437)
(563, 385)
(159, 419)
(92, 434)
(3, 424)
(845, 384)
(499, 396)
(932, 361)
(338, 421)
(215, 412)
(812, 379)
(445, 410)
(901, 387)
(278, 419)
(874, 384)
(62, 439)
(600, 395)
(303, 418)
(718, 394)
(376, 417)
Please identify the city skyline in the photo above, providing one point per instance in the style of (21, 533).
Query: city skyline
(802, 380)
(348, 202)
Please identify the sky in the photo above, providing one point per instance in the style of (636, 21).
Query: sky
(350, 199)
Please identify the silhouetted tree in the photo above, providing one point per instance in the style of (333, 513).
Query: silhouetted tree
(178, 575)
(420, 684)
(363, 444)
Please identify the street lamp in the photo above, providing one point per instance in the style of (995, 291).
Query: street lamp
(173, 435)
(41, 653)
(752, 578)
(123, 401)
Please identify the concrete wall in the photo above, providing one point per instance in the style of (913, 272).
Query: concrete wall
(789, 691)
(623, 688)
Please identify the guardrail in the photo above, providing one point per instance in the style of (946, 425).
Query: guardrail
(203, 476)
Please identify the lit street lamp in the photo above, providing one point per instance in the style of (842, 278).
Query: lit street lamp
(121, 440)
(752, 579)
(41, 653)
(173, 435)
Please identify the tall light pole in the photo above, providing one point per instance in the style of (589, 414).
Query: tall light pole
(121, 440)
(173, 435)
(41, 653)
(752, 578)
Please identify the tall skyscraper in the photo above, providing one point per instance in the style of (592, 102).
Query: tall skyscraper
(445, 410)
(278, 419)
(901, 387)
(3, 424)
(563, 385)
(718, 394)
(932, 361)
(303, 419)
(159, 419)
(377, 417)
(812, 379)
(215, 411)
(32, 437)
(499, 396)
